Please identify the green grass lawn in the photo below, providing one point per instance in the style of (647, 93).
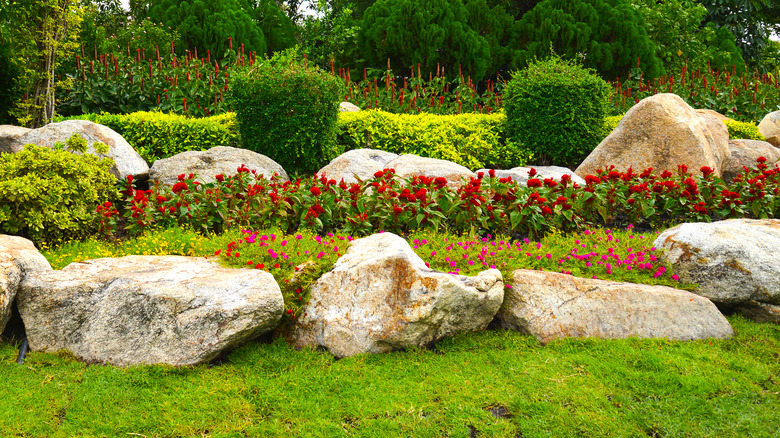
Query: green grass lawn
(494, 383)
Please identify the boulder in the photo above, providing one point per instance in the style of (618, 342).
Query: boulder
(760, 312)
(713, 113)
(662, 132)
(551, 306)
(381, 297)
(409, 165)
(744, 153)
(520, 174)
(360, 163)
(18, 256)
(770, 128)
(733, 261)
(8, 135)
(147, 309)
(126, 159)
(206, 165)
(346, 107)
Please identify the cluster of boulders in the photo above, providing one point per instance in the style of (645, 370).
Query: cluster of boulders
(380, 296)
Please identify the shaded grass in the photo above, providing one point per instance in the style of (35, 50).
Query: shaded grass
(494, 383)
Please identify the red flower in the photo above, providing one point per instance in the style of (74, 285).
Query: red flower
(440, 182)
(181, 177)
(379, 174)
(532, 172)
(492, 173)
(707, 171)
(761, 159)
(315, 191)
(179, 186)
(220, 177)
(533, 182)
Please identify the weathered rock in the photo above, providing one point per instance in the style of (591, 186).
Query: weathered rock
(520, 174)
(760, 312)
(409, 165)
(126, 159)
(147, 309)
(361, 163)
(9, 134)
(206, 165)
(715, 114)
(551, 306)
(661, 132)
(733, 261)
(347, 107)
(744, 153)
(381, 297)
(770, 128)
(18, 256)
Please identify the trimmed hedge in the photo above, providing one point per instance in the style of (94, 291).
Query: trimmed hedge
(743, 130)
(471, 140)
(156, 135)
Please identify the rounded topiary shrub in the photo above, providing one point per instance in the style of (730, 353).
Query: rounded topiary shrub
(556, 108)
(49, 195)
(289, 112)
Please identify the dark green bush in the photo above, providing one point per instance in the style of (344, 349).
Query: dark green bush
(155, 135)
(289, 112)
(51, 194)
(557, 109)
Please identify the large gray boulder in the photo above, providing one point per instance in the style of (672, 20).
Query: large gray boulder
(381, 297)
(733, 261)
(9, 134)
(770, 128)
(360, 163)
(206, 165)
(409, 165)
(662, 132)
(551, 306)
(126, 159)
(521, 176)
(744, 153)
(147, 309)
(18, 256)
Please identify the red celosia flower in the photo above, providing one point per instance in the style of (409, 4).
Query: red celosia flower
(315, 191)
(179, 186)
(440, 182)
(533, 182)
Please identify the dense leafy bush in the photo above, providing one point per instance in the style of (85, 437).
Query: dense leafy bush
(557, 109)
(472, 140)
(155, 135)
(288, 112)
(747, 130)
(51, 194)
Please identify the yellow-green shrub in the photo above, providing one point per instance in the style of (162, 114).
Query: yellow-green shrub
(155, 135)
(743, 130)
(611, 122)
(472, 140)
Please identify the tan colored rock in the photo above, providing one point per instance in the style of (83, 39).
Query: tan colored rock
(760, 312)
(8, 136)
(126, 159)
(147, 309)
(360, 163)
(733, 261)
(770, 128)
(347, 107)
(552, 306)
(661, 132)
(381, 297)
(521, 176)
(712, 113)
(206, 165)
(18, 256)
(409, 165)
(744, 153)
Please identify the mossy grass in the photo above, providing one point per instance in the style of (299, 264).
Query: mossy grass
(493, 383)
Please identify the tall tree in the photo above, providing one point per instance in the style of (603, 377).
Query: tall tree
(750, 21)
(278, 28)
(425, 32)
(609, 36)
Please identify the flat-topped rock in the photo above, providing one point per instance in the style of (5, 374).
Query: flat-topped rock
(8, 136)
(744, 153)
(360, 163)
(206, 165)
(662, 132)
(18, 256)
(552, 306)
(409, 165)
(381, 297)
(733, 261)
(126, 159)
(147, 309)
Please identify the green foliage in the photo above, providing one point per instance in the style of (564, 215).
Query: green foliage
(471, 140)
(277, 27)
(155, 135)
(332, 35)
(144, 35)
(425, 32)
(557, 109)
(47, 194)
(8, 75)
(207, 25)
(289, 112)
(611, 122)
(743, 130)
(498, 28)
(608, 35)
